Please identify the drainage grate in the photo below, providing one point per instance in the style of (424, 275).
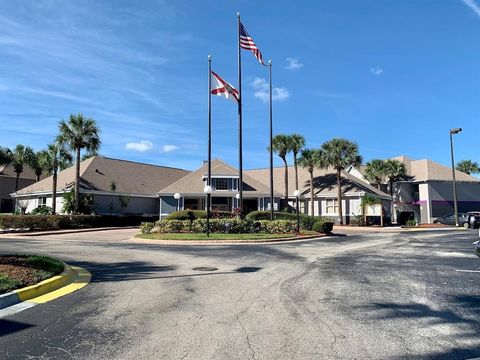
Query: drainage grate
(205, 268)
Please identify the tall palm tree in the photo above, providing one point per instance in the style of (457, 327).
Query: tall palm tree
(394, 171)
(18, 158)
(340, 153)
(77, 134)
(468, 167)
(5, 155)
(375, 172)
(56, 156)
(282, 146)
(297, 143)
(311, 159)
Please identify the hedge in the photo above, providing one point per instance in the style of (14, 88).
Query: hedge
(199, 214)
(323, 227)
(306, 221)
(54, 222)
(226, 226)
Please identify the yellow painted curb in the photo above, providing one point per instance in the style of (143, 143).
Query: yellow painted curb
(81, 280)
(69, 276)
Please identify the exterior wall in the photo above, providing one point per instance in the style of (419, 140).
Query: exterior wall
(110, 205)
(441, 197)
(168, 204)
(7, 186)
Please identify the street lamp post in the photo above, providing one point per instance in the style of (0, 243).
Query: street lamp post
(296, 193)
(177, 197)
(208, 190)
(455, 205)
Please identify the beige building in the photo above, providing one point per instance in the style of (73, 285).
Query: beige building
(7, 185)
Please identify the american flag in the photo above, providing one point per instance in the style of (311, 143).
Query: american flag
(247, 43)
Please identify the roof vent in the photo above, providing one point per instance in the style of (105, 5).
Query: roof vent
(204, 162)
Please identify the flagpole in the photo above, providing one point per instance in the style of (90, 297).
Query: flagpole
(209, 180)
(240, 145)
(272, 200)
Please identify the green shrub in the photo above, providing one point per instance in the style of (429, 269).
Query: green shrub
(323, 226)
(42, 210)
(265, 215)
(54, 222)
(199, 214)
(227, 226)
(146, 227)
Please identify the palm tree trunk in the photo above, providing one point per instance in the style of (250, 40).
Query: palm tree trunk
(296, 170)
(339, 198)
(54, 191)
(312, 207)
(378, 185)
(286, 180)
(38, 178)
(77, 180)
(16, 180)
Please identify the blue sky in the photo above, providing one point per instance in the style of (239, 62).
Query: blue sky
(394, 76)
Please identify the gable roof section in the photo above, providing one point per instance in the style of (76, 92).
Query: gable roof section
(193, 183)
(428, 170)
(325, 182)
(97, 174)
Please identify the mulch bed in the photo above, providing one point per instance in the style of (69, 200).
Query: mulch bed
(27, 276)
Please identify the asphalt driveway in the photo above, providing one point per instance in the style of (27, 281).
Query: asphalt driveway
(369, 296)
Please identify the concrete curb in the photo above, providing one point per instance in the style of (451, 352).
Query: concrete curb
(61, 232)
(42, 288)
(230, 242)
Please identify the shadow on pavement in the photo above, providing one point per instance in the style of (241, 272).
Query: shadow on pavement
(453, 354)
(140, 270)
(8, 327)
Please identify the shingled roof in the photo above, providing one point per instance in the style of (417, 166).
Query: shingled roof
(97, 174)
(193, 183)
(325, 182)
(428, 170)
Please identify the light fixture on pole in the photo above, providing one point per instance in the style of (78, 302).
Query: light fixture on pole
(455, 205)
(177, 197)
(296, 193)
(208, 191)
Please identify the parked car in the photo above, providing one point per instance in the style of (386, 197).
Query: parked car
(474, 219)
(477, 248)
(450, 220)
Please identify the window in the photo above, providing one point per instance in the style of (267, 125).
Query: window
(42, 201)
(332, 206)
(220, 184)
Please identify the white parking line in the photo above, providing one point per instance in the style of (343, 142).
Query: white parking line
(469, 271)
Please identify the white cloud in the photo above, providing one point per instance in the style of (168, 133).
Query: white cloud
(140, 146)
(169, 148)
(472, 5)
(260, 86)
(293, 64)
(376, 70)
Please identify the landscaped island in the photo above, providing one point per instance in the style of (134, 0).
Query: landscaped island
(17, 271)
(192, 225)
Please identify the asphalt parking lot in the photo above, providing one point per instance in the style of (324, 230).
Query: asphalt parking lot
(362, 296)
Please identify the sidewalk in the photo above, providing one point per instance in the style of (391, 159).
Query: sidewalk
(390, 229)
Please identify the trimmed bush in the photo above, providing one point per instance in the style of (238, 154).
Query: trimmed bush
(199, 214)
(146, 227)
(306, 221)
(54, 222)
(323, 227)
(227, 226)
(42, 210)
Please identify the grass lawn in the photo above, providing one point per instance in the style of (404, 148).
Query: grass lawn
(18, 271)
(216, 236)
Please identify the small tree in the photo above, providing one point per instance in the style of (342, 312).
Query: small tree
(297, 143)
(368, 200)
(311, 159)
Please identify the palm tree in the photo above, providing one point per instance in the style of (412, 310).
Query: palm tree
(18, 158)
(311, 159)
(56, 156)
(394, 171)
(39, 163)
(282, 146)
(297, 143)
(375, 172)
(340, 153)
(77, 134)
(468, 167)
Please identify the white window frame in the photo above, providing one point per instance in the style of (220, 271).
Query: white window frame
(223, 180)
(331, 203)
